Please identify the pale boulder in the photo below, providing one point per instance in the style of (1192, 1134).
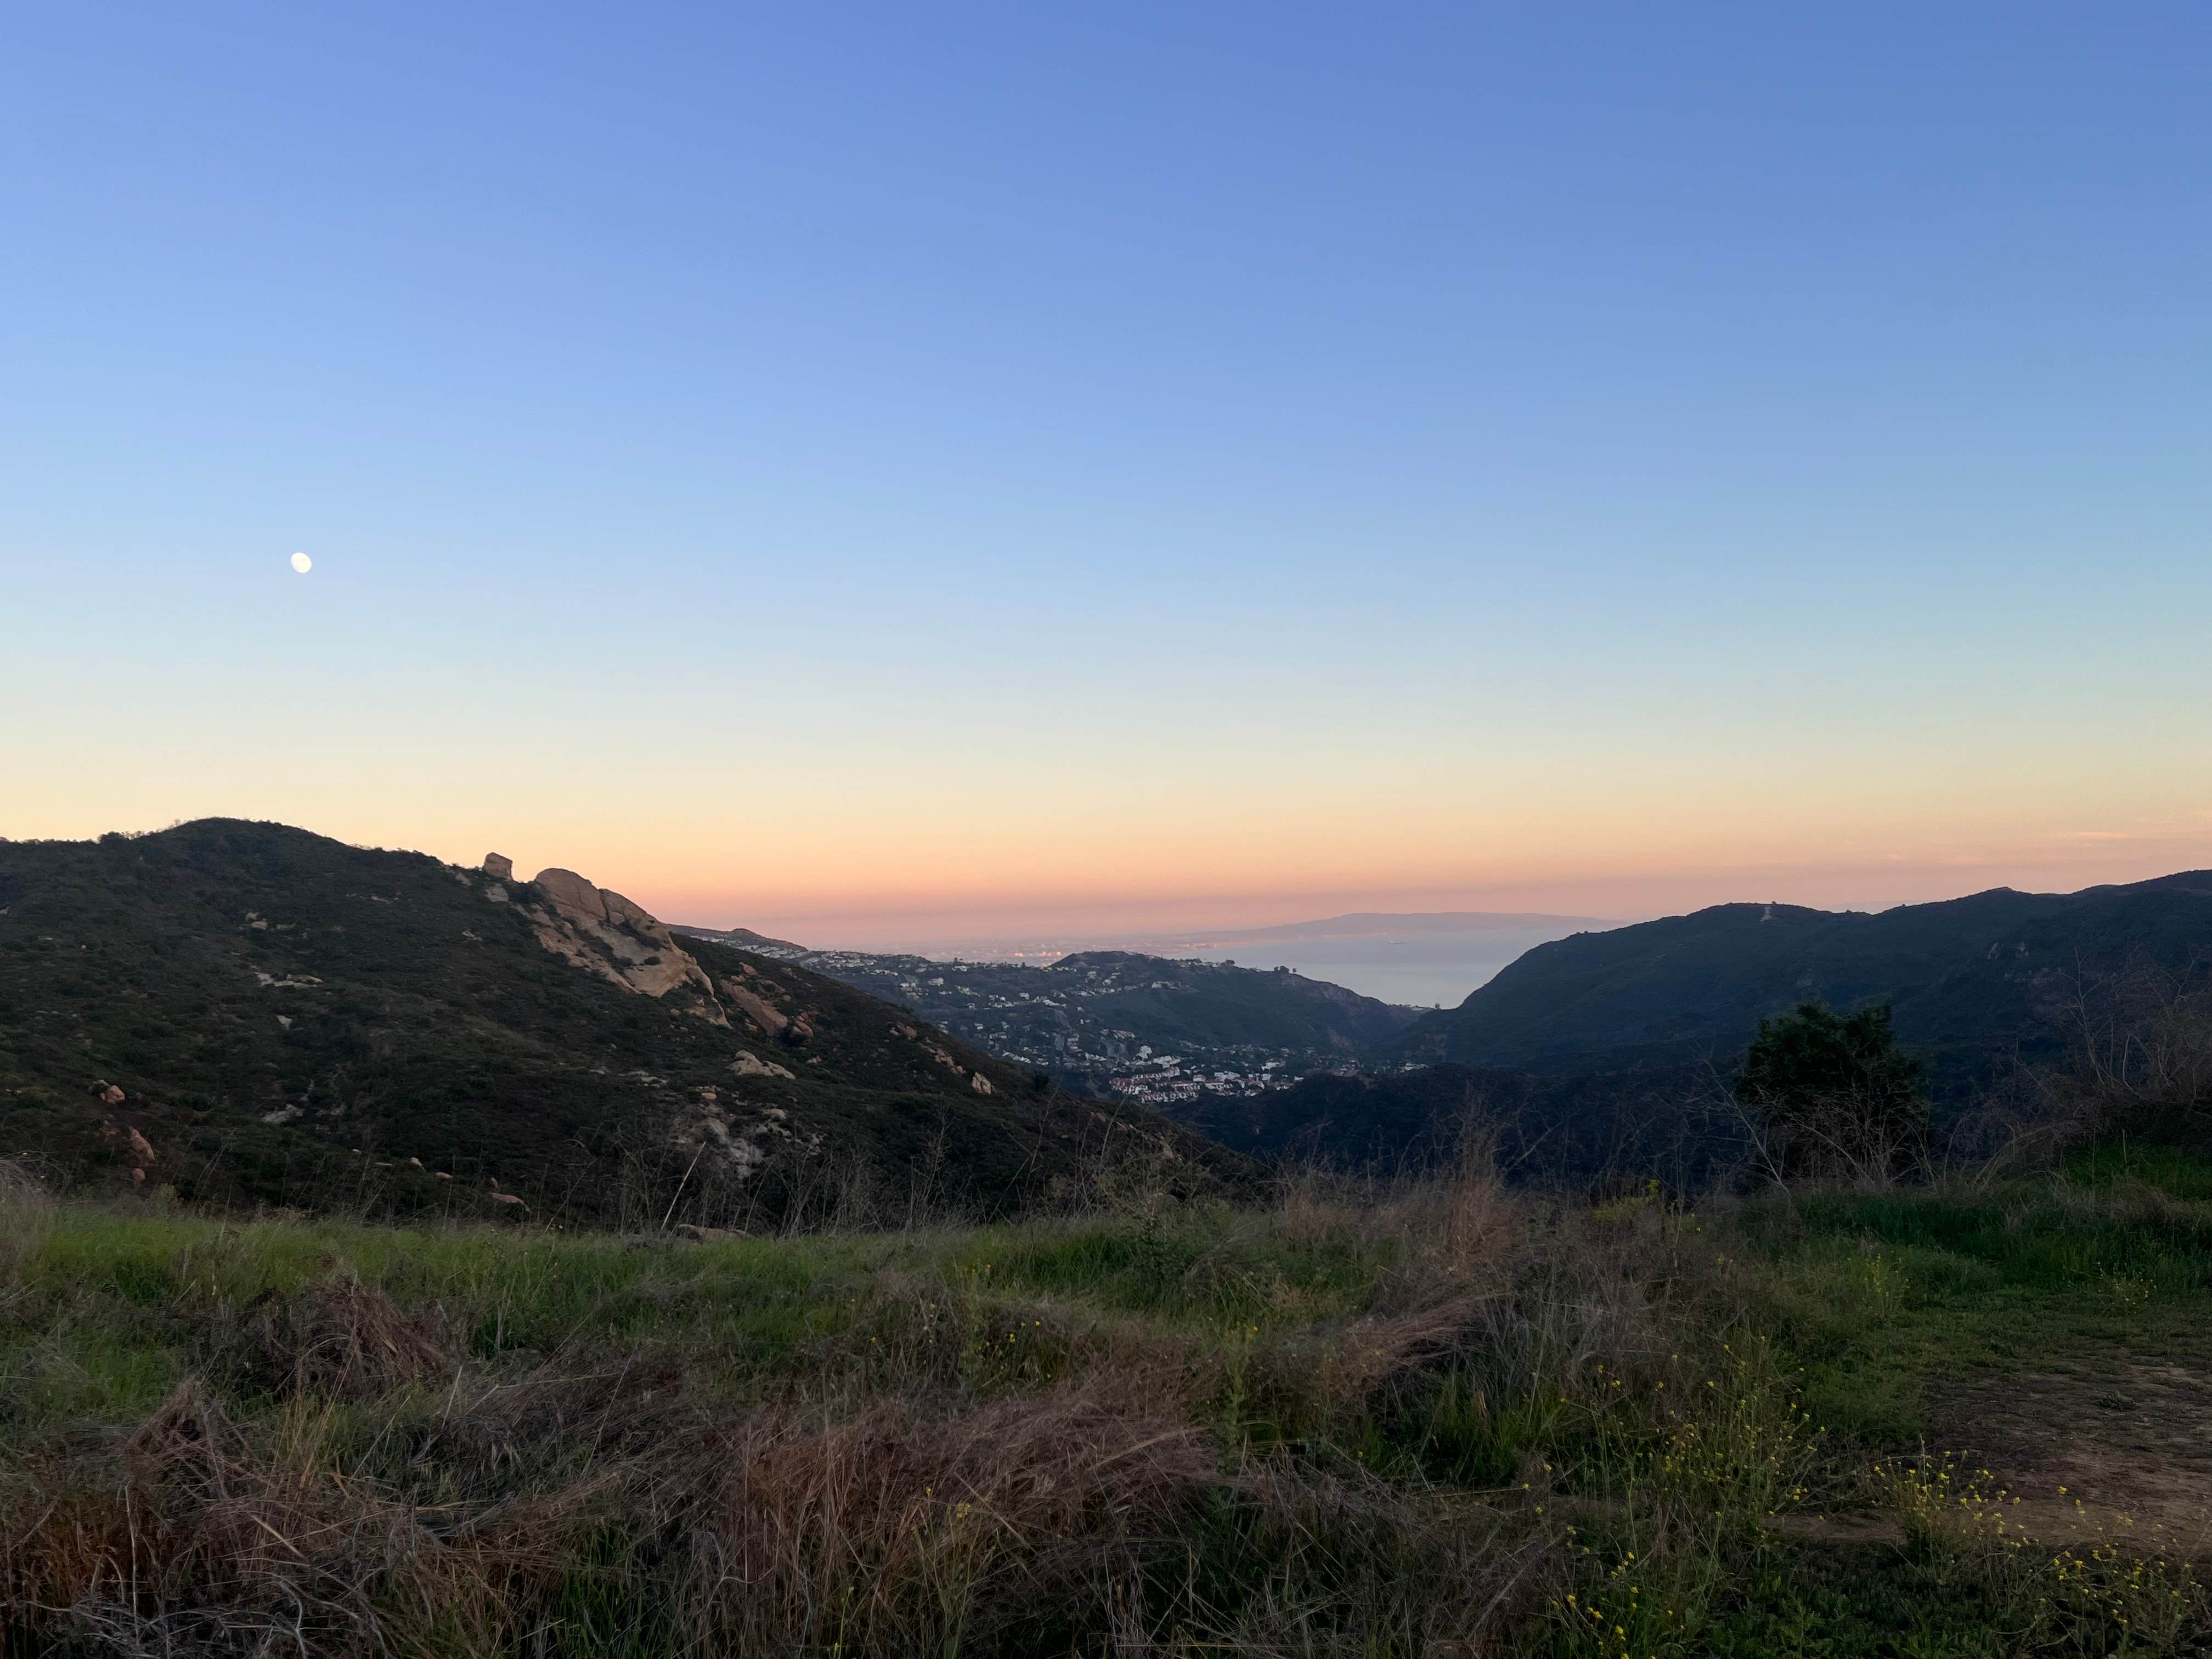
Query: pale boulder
(606, 934)
(572, 893)
(621, 911)
(755, 1008)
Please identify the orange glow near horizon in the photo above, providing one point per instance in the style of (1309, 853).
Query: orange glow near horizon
(882, 920)
(879, 845)
(1007, 881)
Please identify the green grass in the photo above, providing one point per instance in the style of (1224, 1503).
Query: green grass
(1890, 1299)
(1379, 1423)
(2181, 1174)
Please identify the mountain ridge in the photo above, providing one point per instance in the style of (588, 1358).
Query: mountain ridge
(250, 1012)
(1969, 979)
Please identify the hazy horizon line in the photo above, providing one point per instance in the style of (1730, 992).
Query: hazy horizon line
(1103, 925)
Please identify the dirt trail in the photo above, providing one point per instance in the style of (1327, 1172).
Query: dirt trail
(2117, 1448)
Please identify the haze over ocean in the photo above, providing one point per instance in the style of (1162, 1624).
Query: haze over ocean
(870, 473)
(1417, 970)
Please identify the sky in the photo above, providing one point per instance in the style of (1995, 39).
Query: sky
(872, 472)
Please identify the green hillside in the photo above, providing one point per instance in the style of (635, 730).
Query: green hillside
(240, 1010)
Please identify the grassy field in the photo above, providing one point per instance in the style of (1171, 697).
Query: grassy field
(1435, 1419)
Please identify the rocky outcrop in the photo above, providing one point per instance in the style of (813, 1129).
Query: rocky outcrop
(604, 934)
(498, 866)
(749, 1064)
(756, 1008)
(943, 1056)
(130, 1148)
(570, 892)
(691, 1233)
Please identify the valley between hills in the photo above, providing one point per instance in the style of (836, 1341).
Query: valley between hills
(285, 1020)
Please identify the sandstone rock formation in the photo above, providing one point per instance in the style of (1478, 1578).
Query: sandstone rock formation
(131, 1146)
(749, 1064)
(604, 934)
(570, 892)
(498, 866)
(756, 1008)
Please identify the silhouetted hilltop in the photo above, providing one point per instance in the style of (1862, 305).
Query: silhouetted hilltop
(1973, 980)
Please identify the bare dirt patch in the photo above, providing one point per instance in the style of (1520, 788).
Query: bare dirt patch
(2110, 1448)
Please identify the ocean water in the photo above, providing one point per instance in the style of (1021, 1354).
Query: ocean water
(1421, 970)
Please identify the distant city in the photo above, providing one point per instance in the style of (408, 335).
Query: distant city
(1165, 1019)
(1418, 960)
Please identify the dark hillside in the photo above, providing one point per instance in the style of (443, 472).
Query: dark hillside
(1973, 980)
(1573, 1129)
(1218, 1004)
(246, 1011)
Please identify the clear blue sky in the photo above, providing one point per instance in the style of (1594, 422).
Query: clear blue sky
(811, 462)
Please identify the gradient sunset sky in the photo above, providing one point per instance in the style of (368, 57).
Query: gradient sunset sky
(870, 472)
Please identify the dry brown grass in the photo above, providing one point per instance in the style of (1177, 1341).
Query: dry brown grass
(344, 1339)
(1360, 1424)
(1344, 1562)
(953, 1465)
(899, 1529)
(27, 1215)
(194, 1535)
(904, 1530)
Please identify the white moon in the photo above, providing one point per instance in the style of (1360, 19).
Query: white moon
(302, 563)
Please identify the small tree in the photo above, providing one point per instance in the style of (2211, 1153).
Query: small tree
(1834, 1094)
